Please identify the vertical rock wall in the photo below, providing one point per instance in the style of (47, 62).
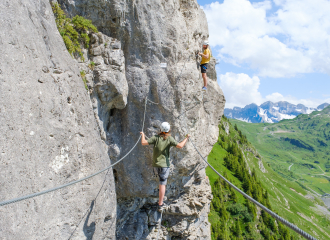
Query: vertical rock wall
(49, 135)
(152, 32)
(54, 132)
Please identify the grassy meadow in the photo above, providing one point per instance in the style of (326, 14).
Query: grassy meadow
(297, 149)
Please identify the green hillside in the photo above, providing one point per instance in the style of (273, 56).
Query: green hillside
(232, 217)
(297, 149)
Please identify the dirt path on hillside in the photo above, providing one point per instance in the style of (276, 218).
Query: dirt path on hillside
(282, 131)
(290, 166)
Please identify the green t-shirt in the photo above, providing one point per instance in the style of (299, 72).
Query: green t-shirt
(161, 155)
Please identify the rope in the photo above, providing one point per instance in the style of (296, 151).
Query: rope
(77, 181)
(188, 102)
(199, 101)
(184, 113)
(152, 102)
(274, 215)
(183, 109)
(160, 223)
(162, 88)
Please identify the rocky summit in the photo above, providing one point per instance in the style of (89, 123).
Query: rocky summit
(270, 112)
(54, 131)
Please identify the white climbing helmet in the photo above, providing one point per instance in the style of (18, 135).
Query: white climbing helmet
(206, 43)
(165, 127)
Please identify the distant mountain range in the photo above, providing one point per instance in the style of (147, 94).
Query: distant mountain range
(270, 112)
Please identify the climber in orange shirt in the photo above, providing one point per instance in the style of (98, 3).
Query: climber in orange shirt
(206, 56)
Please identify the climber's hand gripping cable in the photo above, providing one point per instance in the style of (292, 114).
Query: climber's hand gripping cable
(203, 55)
(181, 144)
(144, 142)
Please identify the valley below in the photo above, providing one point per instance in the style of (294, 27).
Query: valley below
(297, 149)
(243, 164)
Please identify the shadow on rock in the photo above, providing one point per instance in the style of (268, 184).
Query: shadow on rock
(89, 230)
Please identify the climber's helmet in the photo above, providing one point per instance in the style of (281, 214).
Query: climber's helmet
(165, 127)
(206, 43)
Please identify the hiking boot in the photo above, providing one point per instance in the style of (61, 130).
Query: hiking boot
(204, 88)
(161, 208)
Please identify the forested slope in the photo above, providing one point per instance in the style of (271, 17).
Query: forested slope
(232, 217)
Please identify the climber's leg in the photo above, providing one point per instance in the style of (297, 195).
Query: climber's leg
(203, 71)
(162, 189)
(163, 174)
(204, 79)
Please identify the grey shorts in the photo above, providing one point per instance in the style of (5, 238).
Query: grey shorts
(163, 174)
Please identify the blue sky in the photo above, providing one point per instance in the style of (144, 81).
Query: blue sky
(275, 50)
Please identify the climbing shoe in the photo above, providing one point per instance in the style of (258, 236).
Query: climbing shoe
(204, 88)
(161, 208)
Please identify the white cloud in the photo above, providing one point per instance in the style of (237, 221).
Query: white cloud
(267, 5)
(241, 90)
(295, 39)
(306, 23)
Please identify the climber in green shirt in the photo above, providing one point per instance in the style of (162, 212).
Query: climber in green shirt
(161, 156)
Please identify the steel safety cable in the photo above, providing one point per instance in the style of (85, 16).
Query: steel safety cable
(285, 222)
(160, 223)
(3, 203)
(152, 102)
(162, 88)
(178, 78)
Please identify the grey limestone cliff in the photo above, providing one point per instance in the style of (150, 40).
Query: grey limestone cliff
(75, 134)
(152, 32)
(49, 135)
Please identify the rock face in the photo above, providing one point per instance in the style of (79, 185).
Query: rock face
(152, 32)
(49, 135)
(55, 131)
(106, 81)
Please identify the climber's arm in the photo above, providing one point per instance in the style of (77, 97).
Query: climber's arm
(181, 144)
(204, 55)
(144, 142)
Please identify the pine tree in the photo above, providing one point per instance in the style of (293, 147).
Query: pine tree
(225, 184)
(238, 229)
(251, 208)
(225, 235)
(217, 189)
(283, 231)
(216, 204)
(254, 175)
(233, 196)
(240, 172)
(224, 215)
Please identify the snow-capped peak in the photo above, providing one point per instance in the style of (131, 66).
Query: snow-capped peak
(270, 112)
